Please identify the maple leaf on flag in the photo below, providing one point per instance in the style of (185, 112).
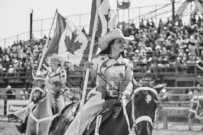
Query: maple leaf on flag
(70, 43)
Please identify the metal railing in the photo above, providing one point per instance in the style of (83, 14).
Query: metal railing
(41, 26)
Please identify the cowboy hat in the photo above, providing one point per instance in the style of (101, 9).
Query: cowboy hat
(113, 34)
(56, 56)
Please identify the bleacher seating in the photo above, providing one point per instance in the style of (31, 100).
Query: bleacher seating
(167, 52)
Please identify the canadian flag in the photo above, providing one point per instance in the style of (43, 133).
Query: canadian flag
(107, 18)
(68, 41)
(72, 44)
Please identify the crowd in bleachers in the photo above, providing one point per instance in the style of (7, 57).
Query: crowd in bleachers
(21, 55)
(167, 45)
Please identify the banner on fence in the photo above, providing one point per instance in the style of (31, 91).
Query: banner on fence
(15, 105)
(1, 107)
(176, 109)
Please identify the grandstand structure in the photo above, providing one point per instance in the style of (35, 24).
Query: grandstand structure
(176, 74)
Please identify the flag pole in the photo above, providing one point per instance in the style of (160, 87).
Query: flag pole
(87, 71)
(46, 44)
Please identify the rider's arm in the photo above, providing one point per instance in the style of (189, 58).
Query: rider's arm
(100, 83)
(127, 85)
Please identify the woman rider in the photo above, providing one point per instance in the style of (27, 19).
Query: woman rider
(113, 73)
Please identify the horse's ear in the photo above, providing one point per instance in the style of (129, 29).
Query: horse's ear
(160, 87)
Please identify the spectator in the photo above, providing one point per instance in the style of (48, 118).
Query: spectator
(11, 69)
(13, 94)
(23, 94)
(9, 92)
(198, 90)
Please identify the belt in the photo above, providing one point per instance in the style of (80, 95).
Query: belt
(113, 93)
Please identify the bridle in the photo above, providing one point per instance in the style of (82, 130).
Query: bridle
(38, 121)
(146, 118)
(44, 93)
(44, 96)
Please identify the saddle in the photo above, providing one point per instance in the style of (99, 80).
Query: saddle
(112, 108)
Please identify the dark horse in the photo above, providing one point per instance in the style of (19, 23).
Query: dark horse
(140, 113)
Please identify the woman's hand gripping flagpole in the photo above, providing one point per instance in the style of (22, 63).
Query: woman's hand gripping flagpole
(87, 71)
(46, 45)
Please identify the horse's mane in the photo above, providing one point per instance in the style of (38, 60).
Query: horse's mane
(51, 96)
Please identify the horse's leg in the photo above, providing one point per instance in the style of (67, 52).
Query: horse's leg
(31, 127)
(44, 127)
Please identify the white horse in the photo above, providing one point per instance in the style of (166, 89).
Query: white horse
(41, 115)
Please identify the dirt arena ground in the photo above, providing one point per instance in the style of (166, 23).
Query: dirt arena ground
(8, 128)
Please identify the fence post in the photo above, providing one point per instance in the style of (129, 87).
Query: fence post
(4, 43)
(17, 37)
(41, 28)
(80, 21)
(128, 15)
(139, 13)
(165, 121)
(156, 14)
(195, 66)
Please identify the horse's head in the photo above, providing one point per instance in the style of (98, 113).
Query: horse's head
(38, 91)
(144, 103)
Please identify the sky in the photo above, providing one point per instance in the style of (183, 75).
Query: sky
(15, 14)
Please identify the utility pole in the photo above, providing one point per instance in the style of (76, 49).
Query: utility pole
(173, 10)
(31, 15)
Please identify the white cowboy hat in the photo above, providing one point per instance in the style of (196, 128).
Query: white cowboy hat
(113, 34)
(56, 56)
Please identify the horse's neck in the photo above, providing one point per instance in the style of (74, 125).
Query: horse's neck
(43, 109)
